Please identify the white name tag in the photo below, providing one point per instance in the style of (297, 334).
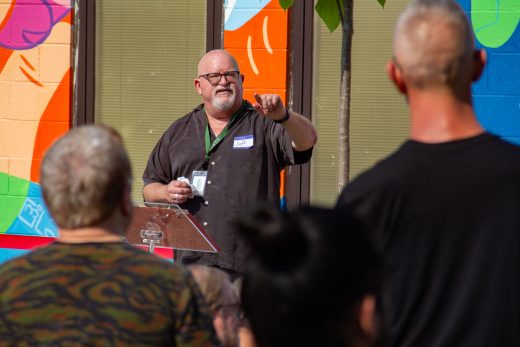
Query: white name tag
(246, 141)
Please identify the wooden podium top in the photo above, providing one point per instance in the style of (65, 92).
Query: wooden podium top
(168, 226)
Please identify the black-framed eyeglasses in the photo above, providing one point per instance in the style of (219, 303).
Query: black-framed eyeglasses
(215, 77)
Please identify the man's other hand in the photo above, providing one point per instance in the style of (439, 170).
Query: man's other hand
(177, 192)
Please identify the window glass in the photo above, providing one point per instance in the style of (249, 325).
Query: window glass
(325, 92)
(146, 60)
(378, 116)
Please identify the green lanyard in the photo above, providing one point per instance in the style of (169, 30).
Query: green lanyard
(210, 146)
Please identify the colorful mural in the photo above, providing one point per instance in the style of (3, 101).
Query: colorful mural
(35, 94)
(35, 88)
(255, 32)
(497, 94)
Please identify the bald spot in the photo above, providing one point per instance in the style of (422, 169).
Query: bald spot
(207, 60)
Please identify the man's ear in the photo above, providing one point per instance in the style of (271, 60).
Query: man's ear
(479, 61)
(396, 76)
(367, 317)
(196, 82)
(242, 77)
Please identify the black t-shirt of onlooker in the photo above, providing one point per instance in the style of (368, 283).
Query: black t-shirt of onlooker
(448, 219)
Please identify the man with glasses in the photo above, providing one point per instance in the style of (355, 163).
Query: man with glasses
(225, 155)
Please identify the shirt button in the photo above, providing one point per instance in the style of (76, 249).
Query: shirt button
(209, 182)
(206, 202)
(205, 224)
(213, 163)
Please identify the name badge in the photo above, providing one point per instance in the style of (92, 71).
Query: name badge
(242, 142)
(198, 182)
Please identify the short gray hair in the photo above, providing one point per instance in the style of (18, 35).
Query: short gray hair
(433, 43)
(83, 176)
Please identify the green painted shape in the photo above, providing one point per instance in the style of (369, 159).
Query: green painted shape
(494, 21)
(11, 203)
(4, 183)
(18, 186)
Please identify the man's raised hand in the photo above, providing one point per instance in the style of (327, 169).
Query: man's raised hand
(269, 105)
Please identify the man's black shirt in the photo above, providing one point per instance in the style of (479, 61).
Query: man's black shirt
(239, 175)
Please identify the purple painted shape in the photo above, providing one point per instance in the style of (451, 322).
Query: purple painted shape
(30, 23)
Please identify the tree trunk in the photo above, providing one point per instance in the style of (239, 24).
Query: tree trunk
(344, 103)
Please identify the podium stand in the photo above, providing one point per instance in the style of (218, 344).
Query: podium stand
(167, 226)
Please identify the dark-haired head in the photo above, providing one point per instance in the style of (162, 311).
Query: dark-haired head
(312, 278)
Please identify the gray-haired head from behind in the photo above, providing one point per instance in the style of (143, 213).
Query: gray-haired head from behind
(84, 175)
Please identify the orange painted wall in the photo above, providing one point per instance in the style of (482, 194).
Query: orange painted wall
(35, 107)
(256, 34)
(260, 45)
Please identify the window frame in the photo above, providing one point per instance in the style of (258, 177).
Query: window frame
(301, 22)
(85, 54)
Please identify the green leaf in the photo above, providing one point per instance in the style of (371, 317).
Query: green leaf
(285, 4)
(382, 3)
(329, 13)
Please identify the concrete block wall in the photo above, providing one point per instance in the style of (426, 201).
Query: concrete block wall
(35, 98)
(497, 94)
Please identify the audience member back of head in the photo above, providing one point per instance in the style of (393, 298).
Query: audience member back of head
(444, 205)
(312, 279)
(90, 288)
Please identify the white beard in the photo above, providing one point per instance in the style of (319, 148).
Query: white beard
(223, 103)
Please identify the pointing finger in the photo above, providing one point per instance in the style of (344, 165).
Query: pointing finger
(258, 98)
(257, 107)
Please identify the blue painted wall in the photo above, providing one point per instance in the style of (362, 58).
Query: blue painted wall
(497, 94)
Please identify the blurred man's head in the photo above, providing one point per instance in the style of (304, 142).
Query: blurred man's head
(85, 177)
(220, 295)
(433, 46)
(219, 80)
(311, 280)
